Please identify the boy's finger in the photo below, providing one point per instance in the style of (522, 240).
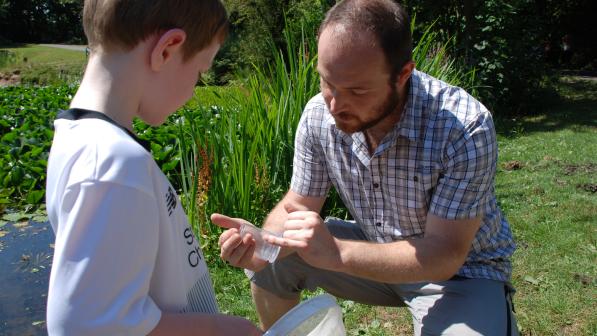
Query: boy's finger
(226, 235)
(226, 222)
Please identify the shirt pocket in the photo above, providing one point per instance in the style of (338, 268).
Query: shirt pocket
(410, 195)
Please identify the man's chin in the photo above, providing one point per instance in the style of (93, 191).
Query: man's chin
(346, 128)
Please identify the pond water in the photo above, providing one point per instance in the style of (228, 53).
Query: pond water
(26, 250)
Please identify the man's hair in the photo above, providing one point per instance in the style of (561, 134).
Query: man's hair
(386, 19)
(122, 24)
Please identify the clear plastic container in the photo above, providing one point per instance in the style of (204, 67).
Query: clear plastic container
(263, 249)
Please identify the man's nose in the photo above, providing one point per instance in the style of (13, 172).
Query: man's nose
(337, 102)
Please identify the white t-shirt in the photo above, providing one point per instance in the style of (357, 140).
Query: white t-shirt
(124, 249)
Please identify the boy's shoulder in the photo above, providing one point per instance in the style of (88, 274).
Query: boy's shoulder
(95, 150)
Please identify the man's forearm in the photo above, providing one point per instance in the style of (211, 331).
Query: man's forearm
(274, 221)
(436, 256)
(404, 261)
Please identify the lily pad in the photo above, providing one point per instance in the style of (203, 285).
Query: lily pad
(40, 218)
(15, 217)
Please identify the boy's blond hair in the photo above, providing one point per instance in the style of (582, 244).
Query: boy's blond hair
(122, 24)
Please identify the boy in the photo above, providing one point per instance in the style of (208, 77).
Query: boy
(126, 261)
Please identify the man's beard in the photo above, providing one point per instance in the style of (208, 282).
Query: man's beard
(388, 107)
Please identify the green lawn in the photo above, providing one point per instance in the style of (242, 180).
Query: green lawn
(43, 65)
(546, 187)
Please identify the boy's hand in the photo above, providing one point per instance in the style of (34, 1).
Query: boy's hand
(237, 250)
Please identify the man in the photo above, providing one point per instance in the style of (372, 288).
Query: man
(414, 161)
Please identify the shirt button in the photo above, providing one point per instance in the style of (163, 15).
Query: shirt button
(416, 178)
(378, 224)
(375, 185)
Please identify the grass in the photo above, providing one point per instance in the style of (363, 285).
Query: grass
(40, 65)
(546, 187)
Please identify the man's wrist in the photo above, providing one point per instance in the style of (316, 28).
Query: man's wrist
(344, 253)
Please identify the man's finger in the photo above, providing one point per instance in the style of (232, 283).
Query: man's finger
(292, 207)
(295, 224)
(284, 242)
(227, 222)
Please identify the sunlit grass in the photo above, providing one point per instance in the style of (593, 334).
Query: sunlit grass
(44, 65)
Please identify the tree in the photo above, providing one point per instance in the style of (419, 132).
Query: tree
(257, 26)
(503, 40)
(37, 21)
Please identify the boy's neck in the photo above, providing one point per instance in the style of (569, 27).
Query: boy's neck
(112, 85)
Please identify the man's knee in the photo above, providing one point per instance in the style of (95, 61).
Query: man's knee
(462, 307)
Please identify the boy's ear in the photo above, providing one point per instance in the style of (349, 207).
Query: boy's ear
(167, 45)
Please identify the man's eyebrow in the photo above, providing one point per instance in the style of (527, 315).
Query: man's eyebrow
(353, 87)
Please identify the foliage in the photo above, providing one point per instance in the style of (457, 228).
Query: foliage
(432, 57)
(7, 58)
(26, 116)
(504, 42)
(26, 130)
(510, 45)
(237, 153)
(575, 19)
(259, 26)
(41, 21)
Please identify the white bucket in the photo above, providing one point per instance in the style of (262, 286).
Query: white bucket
(318, 316)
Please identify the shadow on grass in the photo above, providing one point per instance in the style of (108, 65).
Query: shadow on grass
(572, 105)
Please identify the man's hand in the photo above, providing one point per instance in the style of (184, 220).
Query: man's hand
(306, 233)
(237, 250)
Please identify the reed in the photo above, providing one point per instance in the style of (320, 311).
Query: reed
(432, 57)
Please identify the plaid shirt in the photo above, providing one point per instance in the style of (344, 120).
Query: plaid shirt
(440, 158)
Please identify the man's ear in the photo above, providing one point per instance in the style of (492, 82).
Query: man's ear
(404, 74)
(167, 45)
